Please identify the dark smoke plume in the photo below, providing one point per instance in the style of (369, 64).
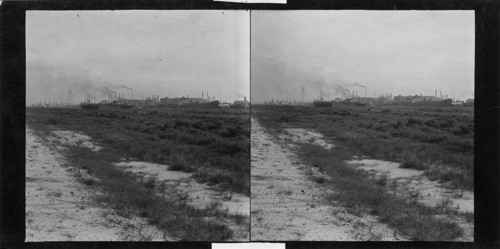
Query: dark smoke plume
(126, 87)
(357, 84)
(272, 80)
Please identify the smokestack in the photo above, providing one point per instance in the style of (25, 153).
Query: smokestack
(132, 94)
(202, 94)
(436, 93)
(365, 92)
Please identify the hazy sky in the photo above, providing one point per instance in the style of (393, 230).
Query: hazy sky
(168, 53)
(398, 52)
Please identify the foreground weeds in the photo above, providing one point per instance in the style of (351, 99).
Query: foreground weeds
(388, 134)
(130, 194)
(214, 144)
(360, 193)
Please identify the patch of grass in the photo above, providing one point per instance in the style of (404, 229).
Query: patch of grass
(184, 138)
(150, 182)
(319, 179)
(129, 194)
(381, 180)
(88, 181)
(469, 216)
(412, 165)
(436, 139)
(239, 218)
(411, 161)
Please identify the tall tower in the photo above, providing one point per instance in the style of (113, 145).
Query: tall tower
(302, 93)
(70, 97)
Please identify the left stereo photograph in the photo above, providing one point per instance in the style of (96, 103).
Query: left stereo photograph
(138, 125)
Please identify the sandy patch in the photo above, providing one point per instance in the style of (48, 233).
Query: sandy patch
(183, 186)
(61, 208)
(414, 184)
(288, 205)
(299, 135)
(73, 138)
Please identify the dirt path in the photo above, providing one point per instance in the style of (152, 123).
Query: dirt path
(61, 208)
(287, 205)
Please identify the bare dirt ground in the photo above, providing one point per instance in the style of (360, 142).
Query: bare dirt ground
(286, 204)
(61, 208)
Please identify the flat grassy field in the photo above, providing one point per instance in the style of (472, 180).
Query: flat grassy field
(437, 140)
(213, 144)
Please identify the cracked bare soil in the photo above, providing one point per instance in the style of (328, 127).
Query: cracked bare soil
(287, 205)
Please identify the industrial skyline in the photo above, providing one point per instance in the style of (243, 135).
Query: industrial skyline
(140, 52)
(297, 54)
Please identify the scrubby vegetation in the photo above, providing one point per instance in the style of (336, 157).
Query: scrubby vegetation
(128, 193)
(360, 193)
(213, 144)
(439, 140)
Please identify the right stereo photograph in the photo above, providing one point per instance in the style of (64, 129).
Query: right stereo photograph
(362, 125)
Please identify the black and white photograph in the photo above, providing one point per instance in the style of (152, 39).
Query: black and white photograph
(138, 125)
(362, 125)
(201, 123)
